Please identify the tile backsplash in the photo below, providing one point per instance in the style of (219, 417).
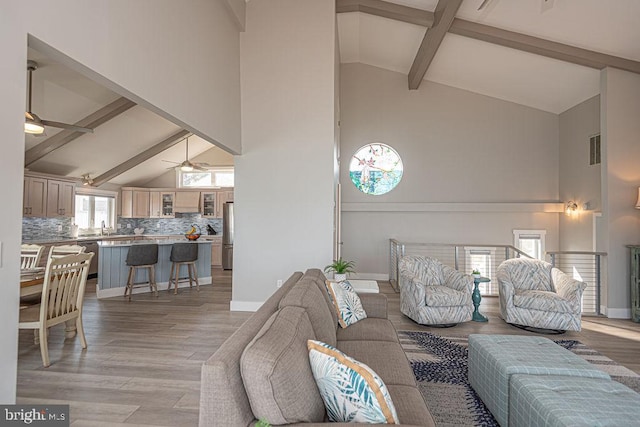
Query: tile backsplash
(178, 225)
(45, 228)
(60, 228)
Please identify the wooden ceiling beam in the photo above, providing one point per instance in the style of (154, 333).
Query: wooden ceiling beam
(64, 137)
(444, 15)
(540, 46)
(139, 158)
(387, 10)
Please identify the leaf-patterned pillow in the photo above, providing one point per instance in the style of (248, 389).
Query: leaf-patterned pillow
(346, 302)
(352, 392)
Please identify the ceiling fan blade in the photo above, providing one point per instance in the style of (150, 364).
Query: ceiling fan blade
(67, 126)
(170, 161)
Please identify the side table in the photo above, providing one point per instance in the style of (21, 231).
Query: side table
(476, 316)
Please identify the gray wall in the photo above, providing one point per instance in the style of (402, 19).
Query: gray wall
(579, 181)
(462, 152)
(284, 179)
(620, 224)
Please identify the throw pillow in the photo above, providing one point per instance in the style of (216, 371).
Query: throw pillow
(346, 303)
(276, 372)
(351, 391)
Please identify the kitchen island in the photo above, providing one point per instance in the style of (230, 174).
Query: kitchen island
(113, 271)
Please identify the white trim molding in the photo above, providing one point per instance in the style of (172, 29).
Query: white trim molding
(551, 207)
(245, 305)
(618, 313)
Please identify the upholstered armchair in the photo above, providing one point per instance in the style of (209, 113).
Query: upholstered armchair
(432, 293)
(536, 295)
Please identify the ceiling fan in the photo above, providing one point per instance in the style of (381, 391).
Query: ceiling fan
(33, 124)
(188, 166)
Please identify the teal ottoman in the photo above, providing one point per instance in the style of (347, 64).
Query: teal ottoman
(557, 401)
(494, 358)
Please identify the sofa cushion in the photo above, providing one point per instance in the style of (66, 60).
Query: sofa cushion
(352, 391)
(369, 329)
(541, 300)
(346, 302)
(442, 296)
(386, 358)
(410, 405)
(318, 277)
(276, 372)
(306, 294)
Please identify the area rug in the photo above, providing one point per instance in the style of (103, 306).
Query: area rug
(440, 366)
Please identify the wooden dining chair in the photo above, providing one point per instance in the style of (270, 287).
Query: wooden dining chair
(30, 256)
(64, 250)
(62, 297)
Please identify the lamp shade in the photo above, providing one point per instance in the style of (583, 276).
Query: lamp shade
(638, 201)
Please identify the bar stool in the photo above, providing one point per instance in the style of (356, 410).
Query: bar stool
(142, 256)
(183, 254)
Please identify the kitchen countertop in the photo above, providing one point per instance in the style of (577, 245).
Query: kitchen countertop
(82, 239)
(161, 242)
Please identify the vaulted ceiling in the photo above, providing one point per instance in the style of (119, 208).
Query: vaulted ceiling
(390, 39)
(607, 27)
(63, 95)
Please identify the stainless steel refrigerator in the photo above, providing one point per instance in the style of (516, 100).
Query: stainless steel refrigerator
(227, 236)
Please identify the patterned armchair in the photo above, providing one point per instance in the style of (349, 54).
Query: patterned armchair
(534, 294)
(432, 293)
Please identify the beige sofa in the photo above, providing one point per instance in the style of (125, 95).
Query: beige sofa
(272, 379)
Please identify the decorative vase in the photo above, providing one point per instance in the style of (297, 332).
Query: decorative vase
(476, 275)
(339, 277)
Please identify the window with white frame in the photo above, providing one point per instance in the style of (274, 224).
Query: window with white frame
(530, 242)
(93, 210)
(481, 259)
(208, 178)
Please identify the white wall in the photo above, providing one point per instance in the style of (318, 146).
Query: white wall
(457, 147)
(284, 179)
(579, 181)
(142, 48)
(620, 92)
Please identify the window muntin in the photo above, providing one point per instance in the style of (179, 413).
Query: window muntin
(92, 210)
(376, 169)
(209, 178)
(531, 242)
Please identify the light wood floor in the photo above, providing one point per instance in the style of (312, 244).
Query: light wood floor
(143, 362)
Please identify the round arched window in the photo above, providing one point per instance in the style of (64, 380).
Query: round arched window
(375, 169)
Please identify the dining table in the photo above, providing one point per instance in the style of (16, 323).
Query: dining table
(31, 281)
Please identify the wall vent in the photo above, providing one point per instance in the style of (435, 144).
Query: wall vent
(594, 150)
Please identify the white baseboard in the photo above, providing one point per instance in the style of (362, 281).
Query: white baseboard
(245, 305)
(369, 276)
(618, 313)
(162, 286)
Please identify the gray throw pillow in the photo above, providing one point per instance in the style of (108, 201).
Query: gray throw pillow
(276, 371)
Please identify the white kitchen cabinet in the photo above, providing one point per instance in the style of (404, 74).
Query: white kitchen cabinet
(223, 196)
(162, 204)
(60, 198)
(209, 203)
(135, 203)
(34, 199)
(187, 201)
(216, 253)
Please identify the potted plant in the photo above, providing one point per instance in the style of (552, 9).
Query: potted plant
(476, 273)
(340, 268)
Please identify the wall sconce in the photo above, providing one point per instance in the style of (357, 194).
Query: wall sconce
(571, 207)
(638, 202)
